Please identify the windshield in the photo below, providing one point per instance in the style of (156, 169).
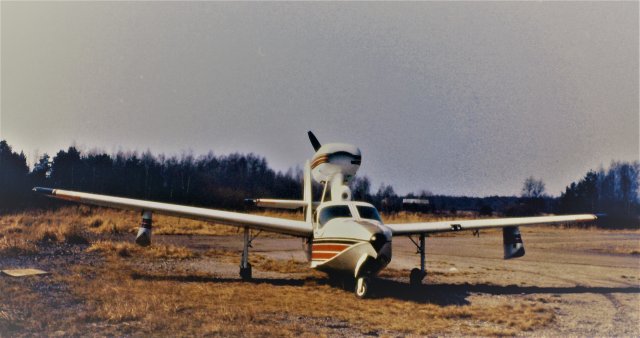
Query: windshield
(332, 212)
(368, 213)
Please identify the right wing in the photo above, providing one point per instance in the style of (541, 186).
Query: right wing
(272, 224)
(408, 229)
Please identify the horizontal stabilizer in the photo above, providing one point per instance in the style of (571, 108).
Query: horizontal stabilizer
(277, 204)
(274, 203)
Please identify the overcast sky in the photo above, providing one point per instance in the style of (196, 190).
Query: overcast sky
(456, 98)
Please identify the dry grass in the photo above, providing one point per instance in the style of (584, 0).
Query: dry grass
(23, 234)
(126, 250)
(289, 266)
(187, 304)
(15, 247)
(122, 296)
(112, 221)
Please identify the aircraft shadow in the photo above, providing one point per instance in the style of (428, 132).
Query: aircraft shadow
(213, 279)
(439, 294)
(457, 294)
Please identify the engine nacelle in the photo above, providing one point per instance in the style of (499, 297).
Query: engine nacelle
(143, 238)
(335, 158)
(512, 241)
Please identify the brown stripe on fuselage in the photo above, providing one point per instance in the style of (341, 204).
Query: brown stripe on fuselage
(323, 255)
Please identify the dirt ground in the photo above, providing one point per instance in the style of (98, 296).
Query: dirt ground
(570, 282)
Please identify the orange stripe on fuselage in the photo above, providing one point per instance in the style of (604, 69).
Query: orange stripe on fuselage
(320, 160)
(329, 247)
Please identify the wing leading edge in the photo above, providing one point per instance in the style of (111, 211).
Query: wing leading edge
(445, 226)
(273, 224)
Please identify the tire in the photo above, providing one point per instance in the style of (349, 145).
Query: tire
(363, 287)
(415, 277)
(245, 273)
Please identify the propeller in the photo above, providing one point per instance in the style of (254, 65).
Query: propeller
(314, 141)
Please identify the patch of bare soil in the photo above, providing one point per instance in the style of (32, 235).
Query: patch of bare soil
(571, 282)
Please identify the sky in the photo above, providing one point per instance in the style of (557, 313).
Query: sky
(463, 98)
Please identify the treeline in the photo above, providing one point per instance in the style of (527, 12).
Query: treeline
(613, 192)
(224, 182)
(209, 180)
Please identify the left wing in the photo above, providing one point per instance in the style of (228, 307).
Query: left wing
(444, 226)
(272, 224)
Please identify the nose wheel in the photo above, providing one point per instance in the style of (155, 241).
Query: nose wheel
(363, 287)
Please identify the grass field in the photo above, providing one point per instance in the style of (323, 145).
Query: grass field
(101, 284)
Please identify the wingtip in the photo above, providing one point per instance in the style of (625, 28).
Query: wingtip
(41, 190)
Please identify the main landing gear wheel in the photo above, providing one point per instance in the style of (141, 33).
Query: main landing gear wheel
(415, 277)
(363, 287)
(245, 273)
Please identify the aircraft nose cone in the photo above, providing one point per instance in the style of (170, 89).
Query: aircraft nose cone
(382, 244)
(378, 240)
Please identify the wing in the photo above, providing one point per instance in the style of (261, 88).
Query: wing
(273, 224)
(444, 226)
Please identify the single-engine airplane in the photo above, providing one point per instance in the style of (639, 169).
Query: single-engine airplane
(343, 237)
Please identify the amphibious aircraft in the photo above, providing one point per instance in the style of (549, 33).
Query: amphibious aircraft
(343, 237)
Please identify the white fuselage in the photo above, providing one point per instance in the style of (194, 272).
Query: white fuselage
(349, 238)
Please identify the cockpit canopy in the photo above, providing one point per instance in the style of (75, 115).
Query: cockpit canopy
(348, 210)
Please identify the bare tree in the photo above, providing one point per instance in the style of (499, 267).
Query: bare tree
(532, 188)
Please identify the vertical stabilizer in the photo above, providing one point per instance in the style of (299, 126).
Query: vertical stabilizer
(307, 196)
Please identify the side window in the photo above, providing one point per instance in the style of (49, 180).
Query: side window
(332, 212)
(369, 213)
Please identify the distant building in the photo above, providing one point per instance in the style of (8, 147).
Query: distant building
(415, 201)
(416, 204)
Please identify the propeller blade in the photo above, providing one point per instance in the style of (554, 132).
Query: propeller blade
(314, 141)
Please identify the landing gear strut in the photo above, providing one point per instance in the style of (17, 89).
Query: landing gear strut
(245, 266)
(417, 275)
